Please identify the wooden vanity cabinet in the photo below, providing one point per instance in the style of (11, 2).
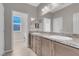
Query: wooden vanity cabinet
(35, 44)
(46, 47)
(63, 50)
(41, 46)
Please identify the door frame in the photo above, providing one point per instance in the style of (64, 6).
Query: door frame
(27, 25)
(2, 30)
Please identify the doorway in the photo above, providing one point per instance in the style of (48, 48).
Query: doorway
(19, 29)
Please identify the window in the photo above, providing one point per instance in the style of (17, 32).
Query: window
(16, 20)
(76, 23)
(47, 25)
(58, 24)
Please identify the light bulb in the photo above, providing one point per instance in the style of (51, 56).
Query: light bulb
(32, 19)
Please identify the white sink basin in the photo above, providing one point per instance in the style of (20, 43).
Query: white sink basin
(36, 33)
(60, 37)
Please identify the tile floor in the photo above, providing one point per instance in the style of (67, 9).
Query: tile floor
(19, 49)
(21, 52)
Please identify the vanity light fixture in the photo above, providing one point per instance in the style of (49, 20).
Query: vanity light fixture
(49, 7)
(32, 19)
(55, 4)
(45, 10)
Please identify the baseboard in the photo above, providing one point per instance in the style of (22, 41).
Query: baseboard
(8, 51)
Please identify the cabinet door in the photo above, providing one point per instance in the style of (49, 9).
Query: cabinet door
(38, 46)
(63, 50)
(52, 48)
(43, 46)
(34, 43)
(33, 47)
(46, 47)
(31, 43)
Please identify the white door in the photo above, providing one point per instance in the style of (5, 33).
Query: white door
(22, 35)
(1, 29)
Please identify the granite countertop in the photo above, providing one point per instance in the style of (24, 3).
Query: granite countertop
(73, 43)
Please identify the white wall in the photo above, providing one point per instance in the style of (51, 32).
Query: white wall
(1, 29)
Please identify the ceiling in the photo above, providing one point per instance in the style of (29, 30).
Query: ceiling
(61, 6)
(53, 7)
(34, 4)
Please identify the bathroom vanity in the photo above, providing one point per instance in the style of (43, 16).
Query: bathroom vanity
(46, 45)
